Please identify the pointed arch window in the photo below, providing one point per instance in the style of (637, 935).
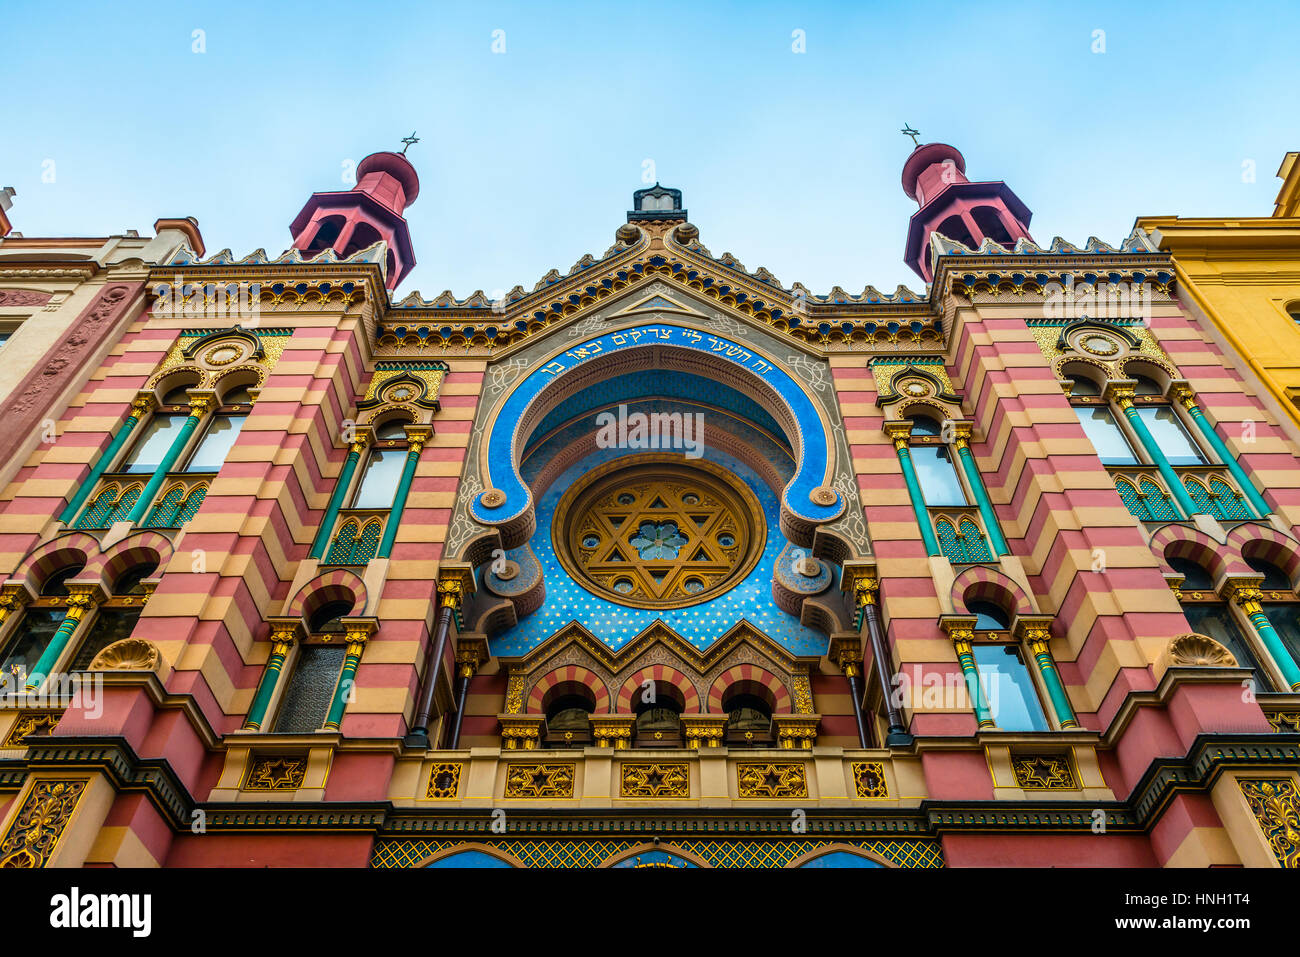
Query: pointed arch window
(1146, 500)
(112, 504)
(355, 543)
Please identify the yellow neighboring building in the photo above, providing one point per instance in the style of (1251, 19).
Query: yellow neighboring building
(1242, 274)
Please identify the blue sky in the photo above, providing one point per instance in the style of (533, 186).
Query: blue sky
(528, 158)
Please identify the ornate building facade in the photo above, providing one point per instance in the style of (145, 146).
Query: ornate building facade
(660, 562)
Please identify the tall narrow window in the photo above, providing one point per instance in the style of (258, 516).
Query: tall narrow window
(216, 443)
(116, 618)
(1283, 608)
(148, 450)
(935, 471)
(1105, 435)
(937, 476)
(1010, 690)
(26, 646)
(33, 633)
(1162, 422)
(311, 688)
(1208, 615)
(380, 478)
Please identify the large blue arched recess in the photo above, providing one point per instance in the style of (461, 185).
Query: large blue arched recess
(841, 859)
(470, 859)
(814, 452)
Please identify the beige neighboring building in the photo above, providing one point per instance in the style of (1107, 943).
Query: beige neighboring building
(64, 302)
(1241, 276)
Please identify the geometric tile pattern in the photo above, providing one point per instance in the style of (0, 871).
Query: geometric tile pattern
(408, 852)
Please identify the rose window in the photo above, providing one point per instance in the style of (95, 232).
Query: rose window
(657, 531)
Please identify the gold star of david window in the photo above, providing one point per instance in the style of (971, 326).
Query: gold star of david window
(658, 531)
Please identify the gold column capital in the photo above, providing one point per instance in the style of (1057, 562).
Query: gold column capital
(143, 404)
(960, 629)
(1035, 631)
(82, 599)
(846, 651)
(358, 631)
(455, 584)
(1121, 395)
(416, 439)
(900, 432)
(1186, 396)
(199, 404)
(284, 632)
(1245, 593)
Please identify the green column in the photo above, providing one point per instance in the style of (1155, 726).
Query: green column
(900, 435)
(356, 645)
(403, 489)
(78, 604)
(1125, 399)
(1248, 597)
(981, 493)
(1037, 638)
(283, 638)
(197, 408)
(961, 639)
(1224, 453)
(336, 499)
(139, 409)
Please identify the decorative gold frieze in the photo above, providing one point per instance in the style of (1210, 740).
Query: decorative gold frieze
(444, 780)
(41, 821)
(521, 732)
(29, 723)
(704, 730)
(655, 781)
(869, 779)
(540, 780)
(1276, 806)
(515, 693)
(613, 731)
(1044, 772)
(772, 780)
(796, 731)
(276, 772)
(428, 374)
(803, 700)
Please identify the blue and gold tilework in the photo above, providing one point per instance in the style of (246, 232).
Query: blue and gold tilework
(615, 624)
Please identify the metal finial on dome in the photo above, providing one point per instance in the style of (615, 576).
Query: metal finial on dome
(409, 141)
(908, 131)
